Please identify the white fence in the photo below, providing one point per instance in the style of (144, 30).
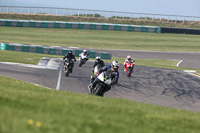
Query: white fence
(99, 14)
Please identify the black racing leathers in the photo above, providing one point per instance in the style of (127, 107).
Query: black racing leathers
(101, 62)
(69, 56)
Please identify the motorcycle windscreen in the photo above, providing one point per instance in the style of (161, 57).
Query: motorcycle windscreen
(101, 77)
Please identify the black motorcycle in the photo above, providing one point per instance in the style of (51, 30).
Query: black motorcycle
(68, 66)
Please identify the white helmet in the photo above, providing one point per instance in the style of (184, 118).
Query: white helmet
(128, 57)
(98, 58)
(84, 51)
(115, 64)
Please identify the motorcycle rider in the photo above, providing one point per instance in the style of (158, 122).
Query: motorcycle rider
(97, 62)
(85, 53)
(128, 58)
(114, 74)
(69, 56)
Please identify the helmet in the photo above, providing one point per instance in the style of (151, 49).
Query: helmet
(98, 58)
(129, 57)
(115, 64)
(70, 52)
(84, 51)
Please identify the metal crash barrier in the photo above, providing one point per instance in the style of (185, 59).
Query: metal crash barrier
(49, 50)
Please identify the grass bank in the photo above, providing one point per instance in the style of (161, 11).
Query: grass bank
(29, 108)
(101, 39)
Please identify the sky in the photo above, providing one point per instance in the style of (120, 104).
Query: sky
(169, 7)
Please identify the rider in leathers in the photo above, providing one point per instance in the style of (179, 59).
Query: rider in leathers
(113, 68)
(84, 53)
(97, 62)
(128, 58)
(69, 56)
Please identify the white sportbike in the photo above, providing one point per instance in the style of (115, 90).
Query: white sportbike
(102, 83)
(82, 59)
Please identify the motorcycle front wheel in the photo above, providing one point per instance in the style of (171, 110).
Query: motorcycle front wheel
(129, 72)
(98, 90)
(81, 63)
(67, 72)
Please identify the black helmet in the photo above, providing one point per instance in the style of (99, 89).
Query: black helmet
(70, 52)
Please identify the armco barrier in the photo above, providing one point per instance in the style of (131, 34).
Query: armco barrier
(77, 52)
(25, 48)
(78, 25)
(49, 50)
(180, 30)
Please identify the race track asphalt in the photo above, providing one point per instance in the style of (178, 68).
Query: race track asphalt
(189, 59)
(164, 87)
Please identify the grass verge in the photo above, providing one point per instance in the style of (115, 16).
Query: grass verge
(29, 108)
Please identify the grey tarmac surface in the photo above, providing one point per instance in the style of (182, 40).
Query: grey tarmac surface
(189, 59)
(164, 87)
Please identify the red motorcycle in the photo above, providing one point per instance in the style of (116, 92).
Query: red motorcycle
(129, 67)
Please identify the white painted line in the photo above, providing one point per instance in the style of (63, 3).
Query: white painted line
(29, 65)
(179, 63)
(73, 47)
(59, 78)
(194, 75)
(189, 71)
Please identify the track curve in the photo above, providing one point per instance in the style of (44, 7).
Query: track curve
(165, 87)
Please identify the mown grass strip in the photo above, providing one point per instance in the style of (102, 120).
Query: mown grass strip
(99, 39)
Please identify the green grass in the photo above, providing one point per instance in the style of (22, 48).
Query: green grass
(99, 39)
(23, 57)
(67, 112)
